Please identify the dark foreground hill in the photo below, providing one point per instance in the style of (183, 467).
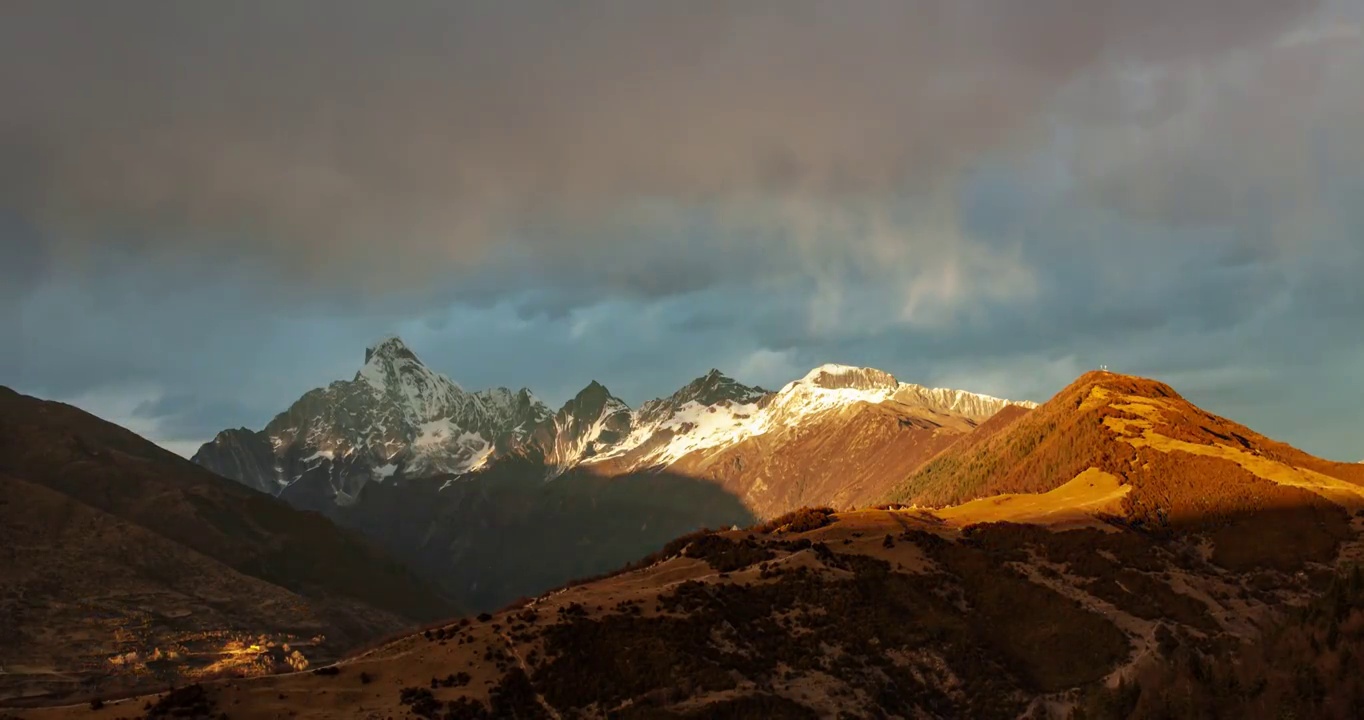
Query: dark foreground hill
(123, 565)
(868, 614)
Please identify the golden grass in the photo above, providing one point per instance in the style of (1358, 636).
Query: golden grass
(1075, 503)
(1179, 469)
(1151, 411)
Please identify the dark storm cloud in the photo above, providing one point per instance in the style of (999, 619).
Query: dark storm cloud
(1263, 144)
(25, 262)
(186, 417)
(400, 140)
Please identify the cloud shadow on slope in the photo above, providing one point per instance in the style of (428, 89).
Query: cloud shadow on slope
(508, 533)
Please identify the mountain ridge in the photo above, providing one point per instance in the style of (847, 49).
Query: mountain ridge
(1102, 544)
(398, 417)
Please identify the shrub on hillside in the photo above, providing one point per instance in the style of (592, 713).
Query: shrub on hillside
(727, 555)
(854, 629)
(1310, 666)
(798, 521)
(420, 701)
(188, 701)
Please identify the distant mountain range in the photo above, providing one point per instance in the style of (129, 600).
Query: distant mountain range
(494, 496)
(399, 419)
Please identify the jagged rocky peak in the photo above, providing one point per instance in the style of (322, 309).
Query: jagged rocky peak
(396, 416)
(594, 389)
(506, 397)
(230, 434)
(716, 387)
(243, 455)
(834, 386)
(847, 377)
(712, 389)
(390, 349)
(593, 422)
(391, 369)
(594, 401)
(388, 359)
(513, 409)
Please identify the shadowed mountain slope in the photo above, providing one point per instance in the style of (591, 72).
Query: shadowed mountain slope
(128, 564)
(506, 533)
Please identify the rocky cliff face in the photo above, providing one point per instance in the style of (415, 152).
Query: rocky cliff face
(243, 455)
(593, 422)
(844, 377)
(396, 417)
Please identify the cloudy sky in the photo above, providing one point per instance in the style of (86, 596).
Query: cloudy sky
(207, 209)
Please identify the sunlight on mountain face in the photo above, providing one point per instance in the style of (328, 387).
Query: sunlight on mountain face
(1140, 433)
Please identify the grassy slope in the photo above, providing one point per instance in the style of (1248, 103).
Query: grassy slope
(1181, 461)
(1184, 466)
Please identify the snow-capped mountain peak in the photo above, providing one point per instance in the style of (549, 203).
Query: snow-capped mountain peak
(709, 411)
(714, 412)
(835, 377)
(397, 417)
(973, 405)
(389, 345)
(713, 388)
(521, 411)
(392, 369)
(591, 423)
(829, 386)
